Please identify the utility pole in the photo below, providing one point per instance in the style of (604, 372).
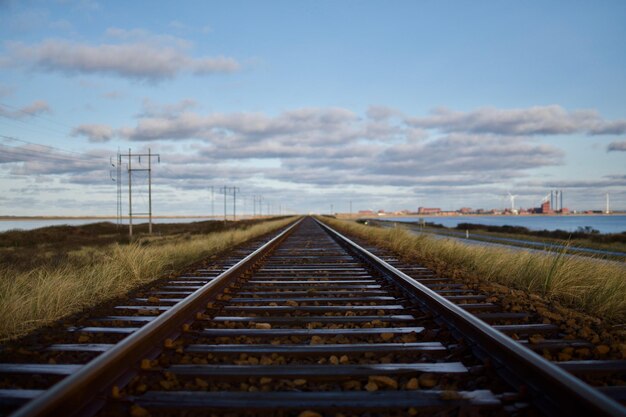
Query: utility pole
(235, 189)
(257, 201)
(130, 156)
(212, 202)
(130, 198)
(118, 185)
(224, 190)
(149, 191)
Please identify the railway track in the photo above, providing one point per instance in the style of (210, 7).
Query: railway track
(308, 324)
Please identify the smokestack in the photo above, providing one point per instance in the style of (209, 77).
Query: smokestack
(551, 199)
(561, 202)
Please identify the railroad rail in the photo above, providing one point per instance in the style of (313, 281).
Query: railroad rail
(309, 321)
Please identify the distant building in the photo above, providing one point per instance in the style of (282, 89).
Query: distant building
(366, 213)
(545, 208)
(465, 210)
(426, 210)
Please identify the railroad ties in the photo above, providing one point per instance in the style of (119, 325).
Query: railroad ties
(310, 323)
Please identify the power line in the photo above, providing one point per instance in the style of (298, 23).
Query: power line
(25, 154)
(82, 154)
(35, 115)
(32, 127)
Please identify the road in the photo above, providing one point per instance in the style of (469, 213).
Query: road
(510, 243)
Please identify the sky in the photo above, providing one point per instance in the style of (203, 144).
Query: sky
(312, 105)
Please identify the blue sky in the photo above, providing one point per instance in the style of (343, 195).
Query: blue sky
(390, 105)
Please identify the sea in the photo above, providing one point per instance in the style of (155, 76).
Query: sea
(569, 223)
(36, 224)
(604, 224)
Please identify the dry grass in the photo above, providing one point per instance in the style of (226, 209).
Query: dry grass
(35, 298)
(589, 285)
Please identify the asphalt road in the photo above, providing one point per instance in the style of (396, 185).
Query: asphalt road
(510, 243)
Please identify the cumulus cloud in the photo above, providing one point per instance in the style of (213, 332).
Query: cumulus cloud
(94, 133)
(153, 109)
(461, 153)
(334, 147)
(332, 125)
(137, 60)
(33, 109)
(540, 120)
(617, 146)
(381, 112)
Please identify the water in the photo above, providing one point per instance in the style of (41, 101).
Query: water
(604, 224)
(35, 224)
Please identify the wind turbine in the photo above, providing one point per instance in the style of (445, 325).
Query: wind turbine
(512, 198)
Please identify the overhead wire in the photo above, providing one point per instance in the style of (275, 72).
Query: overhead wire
(15, 109)
(83, 155)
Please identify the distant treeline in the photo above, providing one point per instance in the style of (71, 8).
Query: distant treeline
(580, 233)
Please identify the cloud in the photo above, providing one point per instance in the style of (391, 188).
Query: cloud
(144, 36)
(95, 133)
(541, 120)
(381, 112)
(36, 108)
(617, 146)
(333, 149)
(137, 60)
(461, 153)
(154, 109)
(113, 95)
(332, 125)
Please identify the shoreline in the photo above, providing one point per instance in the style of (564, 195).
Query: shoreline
(342, 215)
(436, 216)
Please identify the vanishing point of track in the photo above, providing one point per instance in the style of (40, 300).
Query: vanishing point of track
(308, 321)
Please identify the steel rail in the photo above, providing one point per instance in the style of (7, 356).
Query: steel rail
(554, 390)
(76, 391)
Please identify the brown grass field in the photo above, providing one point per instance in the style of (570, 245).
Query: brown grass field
(588, 285)
(49, 274)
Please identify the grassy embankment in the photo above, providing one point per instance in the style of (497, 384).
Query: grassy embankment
(588, 285)
(73, 276)
(583, 238)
